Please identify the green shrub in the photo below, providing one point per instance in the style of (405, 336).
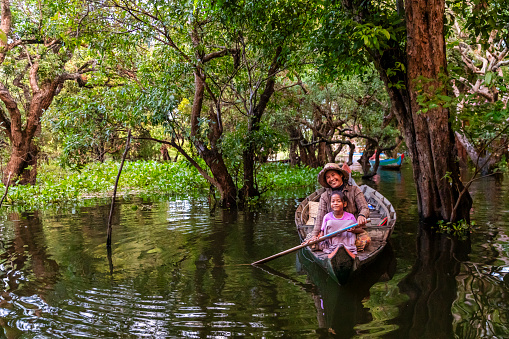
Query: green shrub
(57, 186)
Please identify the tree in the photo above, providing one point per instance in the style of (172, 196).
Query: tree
(234, 52)
(432, 143)
(407, 47)
(479, 52)
(38, 45)
(346, 112)
(90, 123)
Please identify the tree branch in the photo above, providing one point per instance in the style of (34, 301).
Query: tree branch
(187, 156)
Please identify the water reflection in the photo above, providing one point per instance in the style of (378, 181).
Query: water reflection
(27, 273)
(341, 310)
(431, 286)
(179, 268)
(481, 308)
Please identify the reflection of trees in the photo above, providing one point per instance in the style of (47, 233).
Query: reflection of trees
(26, 268)
(431, 287)
(481, 309)
(26, 254)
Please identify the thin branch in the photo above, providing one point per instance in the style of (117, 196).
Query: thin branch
(6, 188)
(110, 218)
(187, 156)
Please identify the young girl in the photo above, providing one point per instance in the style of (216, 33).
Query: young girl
(337, 220)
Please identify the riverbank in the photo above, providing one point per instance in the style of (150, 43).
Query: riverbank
(59, 186)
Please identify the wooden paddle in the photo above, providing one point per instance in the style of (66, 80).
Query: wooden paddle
(293, 249)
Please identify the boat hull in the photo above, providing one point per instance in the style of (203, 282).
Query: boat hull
(391, 164)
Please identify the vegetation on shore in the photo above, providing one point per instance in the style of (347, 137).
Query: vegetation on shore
(59, 186)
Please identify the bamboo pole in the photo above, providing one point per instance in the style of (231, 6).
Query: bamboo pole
(293, 249)
(6, 189)
(127, 146)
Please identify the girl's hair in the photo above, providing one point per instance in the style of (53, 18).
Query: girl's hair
(340, 193)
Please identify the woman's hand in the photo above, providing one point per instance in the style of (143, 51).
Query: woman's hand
(313, 238)
(361, 220)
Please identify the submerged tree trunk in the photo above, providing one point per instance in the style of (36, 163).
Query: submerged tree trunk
(23, 162)
(429, 135)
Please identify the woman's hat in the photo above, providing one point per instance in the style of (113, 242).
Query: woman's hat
(332, 167)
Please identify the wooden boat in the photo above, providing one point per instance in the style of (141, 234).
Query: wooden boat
(339, 264)
(392, 163)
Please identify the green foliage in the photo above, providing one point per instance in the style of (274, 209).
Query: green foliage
(348, 43)
(482, 18)
(460, 229)
(448, 177)
(266, 140)
(502, 166)
(89, 124)
(281, 175)
(486, 119)
(58, 186)
(432, 93)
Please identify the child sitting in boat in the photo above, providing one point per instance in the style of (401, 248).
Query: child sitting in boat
(337, 220)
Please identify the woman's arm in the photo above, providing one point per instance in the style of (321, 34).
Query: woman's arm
(362, 206)
(322, 211)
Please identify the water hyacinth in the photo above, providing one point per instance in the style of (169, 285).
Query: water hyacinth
(58, 186)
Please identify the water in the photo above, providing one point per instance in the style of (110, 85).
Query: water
(180, 269)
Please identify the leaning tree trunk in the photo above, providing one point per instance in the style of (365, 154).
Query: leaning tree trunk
(487, 163)
(248, 155)
(211, 154)
(22, 164)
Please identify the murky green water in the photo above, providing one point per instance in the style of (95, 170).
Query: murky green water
(179, 269)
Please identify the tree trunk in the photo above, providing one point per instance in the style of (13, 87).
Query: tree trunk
(23, 162)
(165, 155)
(429, 135)
(248, 155)
(226, 187)
(487, 162)
(350, 154)
(248, 189)
(212, 156)
(364, 160)
(310, 158)
(295, 137)
(304, 155)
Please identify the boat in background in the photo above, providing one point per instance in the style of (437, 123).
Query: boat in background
(339, 264)
(392, 163)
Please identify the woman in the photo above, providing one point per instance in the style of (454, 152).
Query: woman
(332, 176)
